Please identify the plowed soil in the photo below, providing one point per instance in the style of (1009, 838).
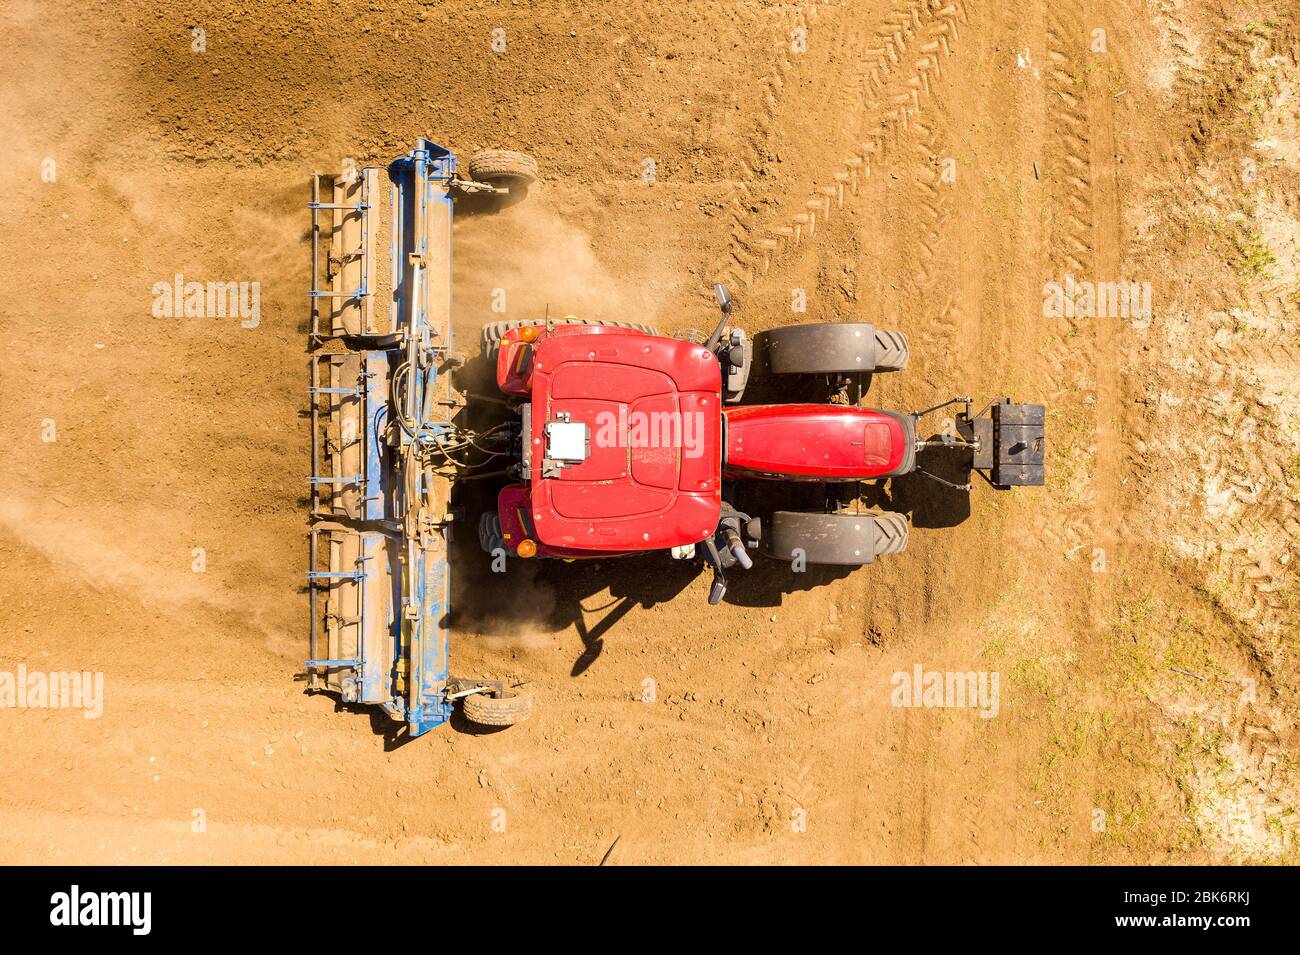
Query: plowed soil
(921, 164)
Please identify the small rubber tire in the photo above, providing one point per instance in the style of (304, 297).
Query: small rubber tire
(830, 348)
(845, 540)
(505, 710)
(504, 166)
(491, 336)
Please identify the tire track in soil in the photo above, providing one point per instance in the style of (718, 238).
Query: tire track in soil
(1107, 264)
(1264, 756)
(1250, 472)
(1082, 238)
(1234, 465)
(1188, 71)
(888, 85)
(610, 159)
(754, 149)
(1070, 250)
(745, 193)
(615, 159)
(939, 336)
(1238, 463)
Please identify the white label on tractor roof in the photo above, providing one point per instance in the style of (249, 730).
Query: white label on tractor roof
(566, 441)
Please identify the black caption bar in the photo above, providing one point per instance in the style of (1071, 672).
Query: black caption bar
(139, 905)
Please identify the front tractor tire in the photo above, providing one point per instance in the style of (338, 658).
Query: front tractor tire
(836, 539)
(505, 710)
(834, 348)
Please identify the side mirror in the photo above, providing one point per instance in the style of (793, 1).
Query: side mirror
(723, 296)
(724, 302)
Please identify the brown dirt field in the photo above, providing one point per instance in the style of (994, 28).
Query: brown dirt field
(1142, 609)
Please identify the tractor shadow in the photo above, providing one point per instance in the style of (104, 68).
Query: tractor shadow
(395, 735)
(925, 501)
(595, 597)
(591, 596)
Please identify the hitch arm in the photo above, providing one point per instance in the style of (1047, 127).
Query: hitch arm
(944, 482)
(951, 401)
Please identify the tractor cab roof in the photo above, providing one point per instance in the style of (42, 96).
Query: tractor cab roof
(624, 442)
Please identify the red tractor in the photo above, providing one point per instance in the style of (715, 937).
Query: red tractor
(627, 442)
(618, 441)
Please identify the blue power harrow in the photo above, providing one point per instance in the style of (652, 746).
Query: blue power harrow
(386, 450)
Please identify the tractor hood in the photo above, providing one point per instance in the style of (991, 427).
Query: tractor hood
(818, 442)
(624, 437)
